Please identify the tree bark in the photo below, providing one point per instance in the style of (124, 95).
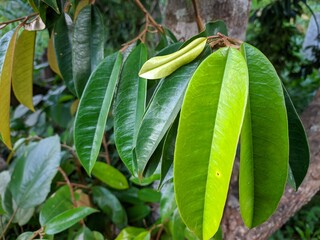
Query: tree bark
(180, 16)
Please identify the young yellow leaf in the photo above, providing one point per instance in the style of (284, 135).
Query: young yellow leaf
(5, 88)
(80, 6)
(23, 68)
(162, 66)
(52, 58)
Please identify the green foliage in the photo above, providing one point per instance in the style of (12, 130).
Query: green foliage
(182, 129)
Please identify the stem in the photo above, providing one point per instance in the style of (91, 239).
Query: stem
(69, 185)
(1, 222)
(8, 224)
(74, 185)
(19, 19)
(197, 15)
(76, 160)
(152, 21)
(159, 233)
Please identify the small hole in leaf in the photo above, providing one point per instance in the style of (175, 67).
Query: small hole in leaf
(218, 174)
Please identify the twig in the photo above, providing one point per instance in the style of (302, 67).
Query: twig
(69, 185)
(8, 224)
(74, 185)
(25, 18)
(76, 160)
(197, 15)
(159, 233)
(148, 15)
(105, 146)
(1, 222)
(39, 232)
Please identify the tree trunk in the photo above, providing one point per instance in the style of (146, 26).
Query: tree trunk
(180, 18)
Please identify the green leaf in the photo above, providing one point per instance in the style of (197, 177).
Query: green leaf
(178, 226)
(7, 48)
(110, 205)
(210, 123)
(110, 176)
(168, 152)
(52, 57)
(88, 45)
(143, 236)
(138, 212)
(22, 75)
(63, 49)
(58, 203)
(130, 105)
(67, 219)
(299, 154)
(162, 66)
(86, 233)
(129, 233)
(25, 236)
(264, 151)
(93, 110)
(167, 202)
(53, 4)
(149, 195)
(146, 180)
(31, 178)
(162, 110)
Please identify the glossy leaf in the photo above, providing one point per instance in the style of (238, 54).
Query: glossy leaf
(52, 57)
(88, 45)
(143, 236)
(162, 110)
(149, 195)
(93, 110)
(22, 75)
(7, 48)
(86, 233)
(210, 123)
(58, 203)
(167, 202)
(67, 219)
(299, 154)
(138, 212)
(264, 151)
(130, 105)
(129, 233)
(110, 176)
(31, 178)
(168, 152)
(178, 226)
(162, 66)
(110, 205)
(53, 4)
(63, 49)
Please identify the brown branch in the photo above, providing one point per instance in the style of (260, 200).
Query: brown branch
(74, 185)
(148, 15)
(8, 224)
(76, 160)
(105, 146)
(197, 15)
(25, 18)
(64, 175)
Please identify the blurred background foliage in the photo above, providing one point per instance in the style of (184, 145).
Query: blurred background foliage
(276, 27)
